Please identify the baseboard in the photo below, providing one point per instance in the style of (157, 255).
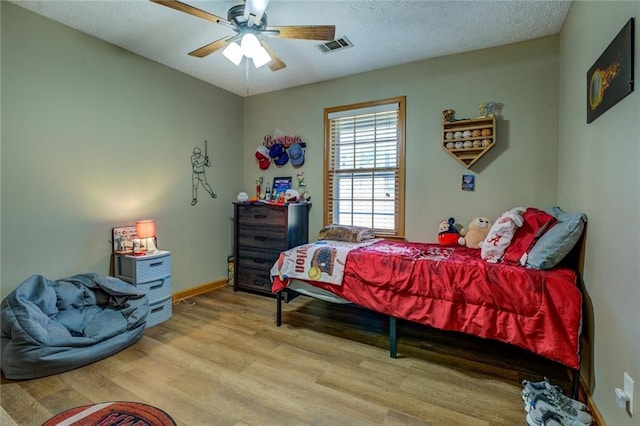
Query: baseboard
(585, 395)
(195, 291)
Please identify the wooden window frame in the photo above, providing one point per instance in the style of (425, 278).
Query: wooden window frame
(399, 231)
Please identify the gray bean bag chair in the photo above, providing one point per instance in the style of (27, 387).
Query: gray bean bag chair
(53, 326)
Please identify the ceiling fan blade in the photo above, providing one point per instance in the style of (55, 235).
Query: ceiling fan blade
(276, 63)
(306, 32)
(183, 7)
(253, 11)
(208, 49)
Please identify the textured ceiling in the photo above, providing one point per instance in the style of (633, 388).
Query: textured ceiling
(384, 34)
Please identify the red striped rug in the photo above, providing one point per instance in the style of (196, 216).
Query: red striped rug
(112, 414)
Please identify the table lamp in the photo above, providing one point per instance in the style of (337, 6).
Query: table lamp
(146, 230)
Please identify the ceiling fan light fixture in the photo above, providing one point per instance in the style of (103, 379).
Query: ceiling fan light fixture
(234, 53)
(250, 45)
(261, 57)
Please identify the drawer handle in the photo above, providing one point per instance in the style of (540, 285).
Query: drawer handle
(152, 265)
(260, 216)
(258, 260)
(154, 310)
(153, 287)
(256, 282)
(260, 238)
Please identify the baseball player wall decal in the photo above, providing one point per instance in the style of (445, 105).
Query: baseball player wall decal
(198, 176)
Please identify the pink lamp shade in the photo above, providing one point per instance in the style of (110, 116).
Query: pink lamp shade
(146, 230)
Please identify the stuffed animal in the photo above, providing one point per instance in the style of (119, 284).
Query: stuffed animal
(477, 232)
(448, 233)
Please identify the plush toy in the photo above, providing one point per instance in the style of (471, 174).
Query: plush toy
(448, 233)
(477, 232)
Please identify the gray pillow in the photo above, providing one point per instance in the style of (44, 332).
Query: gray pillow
(558, 241)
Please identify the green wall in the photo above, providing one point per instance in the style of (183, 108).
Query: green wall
(520, 170)
(94, 137)
(599, 173)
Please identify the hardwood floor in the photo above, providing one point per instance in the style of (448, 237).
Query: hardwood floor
(220, 360)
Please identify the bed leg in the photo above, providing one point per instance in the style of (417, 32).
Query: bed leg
(575, 385)
(393, 337)
(279, 308)
(575, 382)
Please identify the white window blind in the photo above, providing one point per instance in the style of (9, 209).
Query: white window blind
(364, 167)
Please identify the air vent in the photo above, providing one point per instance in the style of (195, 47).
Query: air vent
(333, 45)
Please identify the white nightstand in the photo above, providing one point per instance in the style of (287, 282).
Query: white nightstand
(152, 274)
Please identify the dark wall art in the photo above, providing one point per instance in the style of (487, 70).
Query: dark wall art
(610, 78)
(199, 161)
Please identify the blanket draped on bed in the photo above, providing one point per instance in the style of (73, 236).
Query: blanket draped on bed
(452, 288)
(320, 261)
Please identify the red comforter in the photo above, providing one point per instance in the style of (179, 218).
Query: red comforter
(452, 288)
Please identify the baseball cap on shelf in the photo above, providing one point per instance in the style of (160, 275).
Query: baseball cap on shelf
(296, 153)
(262, 154)
(279, 154)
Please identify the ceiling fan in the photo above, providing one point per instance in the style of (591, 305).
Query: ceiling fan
(250, 23)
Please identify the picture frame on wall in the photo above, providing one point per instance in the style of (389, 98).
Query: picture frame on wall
(610, 78)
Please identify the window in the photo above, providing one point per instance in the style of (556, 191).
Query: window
(364, 166)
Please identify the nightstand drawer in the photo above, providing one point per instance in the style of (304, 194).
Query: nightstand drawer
(144, 269)
(159, 312)
(157, 290)
(263, 237)
(257, 259)
(258, 215)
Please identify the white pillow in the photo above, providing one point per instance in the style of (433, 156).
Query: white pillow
(501, 234)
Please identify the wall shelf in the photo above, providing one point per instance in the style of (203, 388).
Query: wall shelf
(468, 140)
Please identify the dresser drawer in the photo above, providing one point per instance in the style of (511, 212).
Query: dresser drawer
(257, 259)
(159, 311)
(254, 280)
(157, 290)
(142, 270)
(262, 237)
(258, 215)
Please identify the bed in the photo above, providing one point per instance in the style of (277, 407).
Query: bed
(445, 287)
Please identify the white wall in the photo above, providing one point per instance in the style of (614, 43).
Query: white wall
(599, 174)
(94, 137)
(519, 170)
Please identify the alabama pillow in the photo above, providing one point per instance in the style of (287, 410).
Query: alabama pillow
(501, 234)
(536, 223)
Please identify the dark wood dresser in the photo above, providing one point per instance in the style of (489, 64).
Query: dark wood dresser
(261, 232)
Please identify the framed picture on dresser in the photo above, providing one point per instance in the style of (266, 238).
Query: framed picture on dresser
(280, 184)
